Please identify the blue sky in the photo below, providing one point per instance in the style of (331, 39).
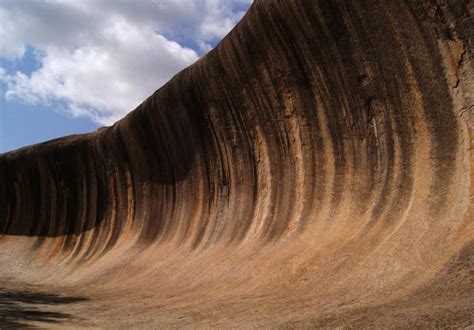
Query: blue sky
(65, 69)
(23, 124)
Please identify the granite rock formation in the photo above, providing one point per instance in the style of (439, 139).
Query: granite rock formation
(314, 169)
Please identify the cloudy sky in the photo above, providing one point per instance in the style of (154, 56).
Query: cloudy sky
(71, 66)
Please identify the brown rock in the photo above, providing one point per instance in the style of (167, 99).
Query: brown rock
(314, 169)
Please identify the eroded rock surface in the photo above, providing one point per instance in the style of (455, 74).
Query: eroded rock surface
(314, 169)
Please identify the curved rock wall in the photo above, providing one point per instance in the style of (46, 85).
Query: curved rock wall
(318, 159)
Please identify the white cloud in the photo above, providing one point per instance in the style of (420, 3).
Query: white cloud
(219, 18)
(100, 59)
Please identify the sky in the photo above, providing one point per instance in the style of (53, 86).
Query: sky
(69, 67)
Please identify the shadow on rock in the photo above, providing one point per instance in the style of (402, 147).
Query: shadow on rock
(20, 308)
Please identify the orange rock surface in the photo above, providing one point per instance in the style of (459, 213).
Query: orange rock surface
(313, 170)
